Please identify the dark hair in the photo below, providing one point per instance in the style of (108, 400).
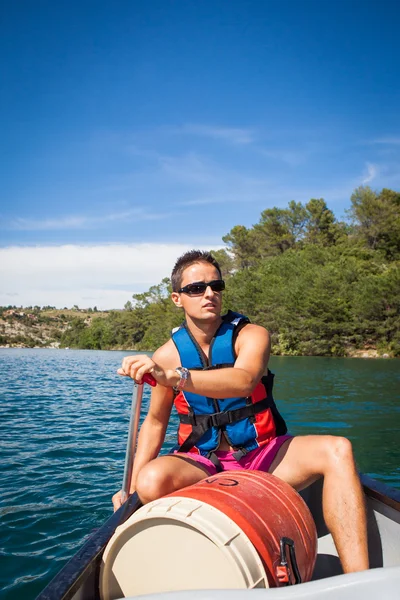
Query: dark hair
(189, 258)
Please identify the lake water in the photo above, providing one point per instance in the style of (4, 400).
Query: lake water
(63, 424)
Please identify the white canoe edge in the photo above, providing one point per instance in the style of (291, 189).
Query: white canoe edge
(381, 583)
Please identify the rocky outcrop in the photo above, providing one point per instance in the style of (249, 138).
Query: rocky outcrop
(21, 329)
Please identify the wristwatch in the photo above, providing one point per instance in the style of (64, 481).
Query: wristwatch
(183, 373)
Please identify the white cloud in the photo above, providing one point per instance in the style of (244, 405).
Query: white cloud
(105, 276)
(371, 174)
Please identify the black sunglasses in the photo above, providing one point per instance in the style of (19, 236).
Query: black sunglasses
(199, 287)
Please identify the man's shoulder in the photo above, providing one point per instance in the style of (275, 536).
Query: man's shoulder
(166, 354)
(250, 333)
(252, 329)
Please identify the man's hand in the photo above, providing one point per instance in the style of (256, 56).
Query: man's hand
(117, 500)
(136, 366)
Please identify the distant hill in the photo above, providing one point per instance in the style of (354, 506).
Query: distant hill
(39, 327)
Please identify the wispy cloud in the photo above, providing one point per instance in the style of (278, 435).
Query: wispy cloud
(27, 224)
(189, 168)
(371, 173)
(233, 189)
(293, 157)
(82, 221)
(237, 136)
(160, 173)
(390, 140)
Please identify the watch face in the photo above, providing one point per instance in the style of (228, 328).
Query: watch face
(183, 374)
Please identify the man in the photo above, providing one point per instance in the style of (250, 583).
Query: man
(218, 366)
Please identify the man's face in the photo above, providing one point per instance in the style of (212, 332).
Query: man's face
(205, 306)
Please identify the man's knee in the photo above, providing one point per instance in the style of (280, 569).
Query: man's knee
(151, 483)
(339, 450)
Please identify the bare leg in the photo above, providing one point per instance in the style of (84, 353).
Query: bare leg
(304, 459)
(165, 475)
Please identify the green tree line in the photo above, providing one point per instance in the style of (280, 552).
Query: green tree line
(319, 285)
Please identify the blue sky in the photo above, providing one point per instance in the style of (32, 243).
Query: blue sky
(134, 130)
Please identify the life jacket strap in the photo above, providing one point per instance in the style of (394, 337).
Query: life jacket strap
(216, 462)
(226, 417)
(218, 366)
(201, 423)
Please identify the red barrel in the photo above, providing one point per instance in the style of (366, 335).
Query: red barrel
(271, 513)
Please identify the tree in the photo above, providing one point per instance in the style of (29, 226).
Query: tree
(376, 219)
(243, 246)
(157, 315)
(280, 229)
(225, 261)
(321, 225)
(273, 233)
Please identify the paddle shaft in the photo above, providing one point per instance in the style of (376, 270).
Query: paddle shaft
(137, 396)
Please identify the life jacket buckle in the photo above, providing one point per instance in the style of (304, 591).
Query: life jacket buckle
(221, 419)
(214, 419)
(239, 454)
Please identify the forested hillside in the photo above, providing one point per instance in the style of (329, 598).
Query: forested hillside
(319, 285)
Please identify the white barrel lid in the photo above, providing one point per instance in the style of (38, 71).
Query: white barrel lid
(178, 544)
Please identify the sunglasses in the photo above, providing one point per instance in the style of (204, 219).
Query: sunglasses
(198, 288)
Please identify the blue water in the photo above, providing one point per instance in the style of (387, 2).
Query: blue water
(63, 425)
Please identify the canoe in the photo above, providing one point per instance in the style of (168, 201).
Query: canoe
(79, 578)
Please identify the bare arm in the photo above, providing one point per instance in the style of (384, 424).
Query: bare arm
(252, 348)
(152, 432)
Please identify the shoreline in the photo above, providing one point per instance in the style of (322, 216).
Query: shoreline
(366, 353)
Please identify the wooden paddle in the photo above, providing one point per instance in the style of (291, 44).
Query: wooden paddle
(137, 396)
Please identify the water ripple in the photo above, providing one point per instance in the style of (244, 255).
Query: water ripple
(64, 420)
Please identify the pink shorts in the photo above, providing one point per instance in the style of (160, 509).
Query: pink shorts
(259, 459)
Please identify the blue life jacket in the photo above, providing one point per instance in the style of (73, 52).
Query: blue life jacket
(247, 423)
